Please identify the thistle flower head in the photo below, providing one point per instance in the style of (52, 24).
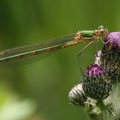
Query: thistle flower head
(94, 70)
(110, 56)
(96, 82)
(113, 41)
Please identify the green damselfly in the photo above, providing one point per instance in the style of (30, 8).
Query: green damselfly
(20, 53)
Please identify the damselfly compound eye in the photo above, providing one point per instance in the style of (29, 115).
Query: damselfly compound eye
(77, 95)
(101, 27)
(96, 83)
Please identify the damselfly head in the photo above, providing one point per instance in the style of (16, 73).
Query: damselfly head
(102, 31)
(101, 27)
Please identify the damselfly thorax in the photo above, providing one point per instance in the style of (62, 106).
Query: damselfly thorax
(91, 35)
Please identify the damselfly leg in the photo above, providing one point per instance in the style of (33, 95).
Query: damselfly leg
(80, 54)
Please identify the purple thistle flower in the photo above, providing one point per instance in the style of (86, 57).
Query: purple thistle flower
(94, 70)
(96, 82)
(113, 42)
(110, 56)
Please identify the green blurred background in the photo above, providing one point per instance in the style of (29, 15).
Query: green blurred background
(39, 91)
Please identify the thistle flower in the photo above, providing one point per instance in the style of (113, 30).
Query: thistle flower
(110, 56)
(96, 83)
(77, 95)
(112, 42)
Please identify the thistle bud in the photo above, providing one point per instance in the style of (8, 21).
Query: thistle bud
(96, 83)
(77, 95)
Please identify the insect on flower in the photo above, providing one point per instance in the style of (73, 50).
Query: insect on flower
(19, 54)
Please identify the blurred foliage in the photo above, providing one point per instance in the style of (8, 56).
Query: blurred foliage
(47, 82)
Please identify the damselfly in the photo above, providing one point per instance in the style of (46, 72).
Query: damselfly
(20, 53)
